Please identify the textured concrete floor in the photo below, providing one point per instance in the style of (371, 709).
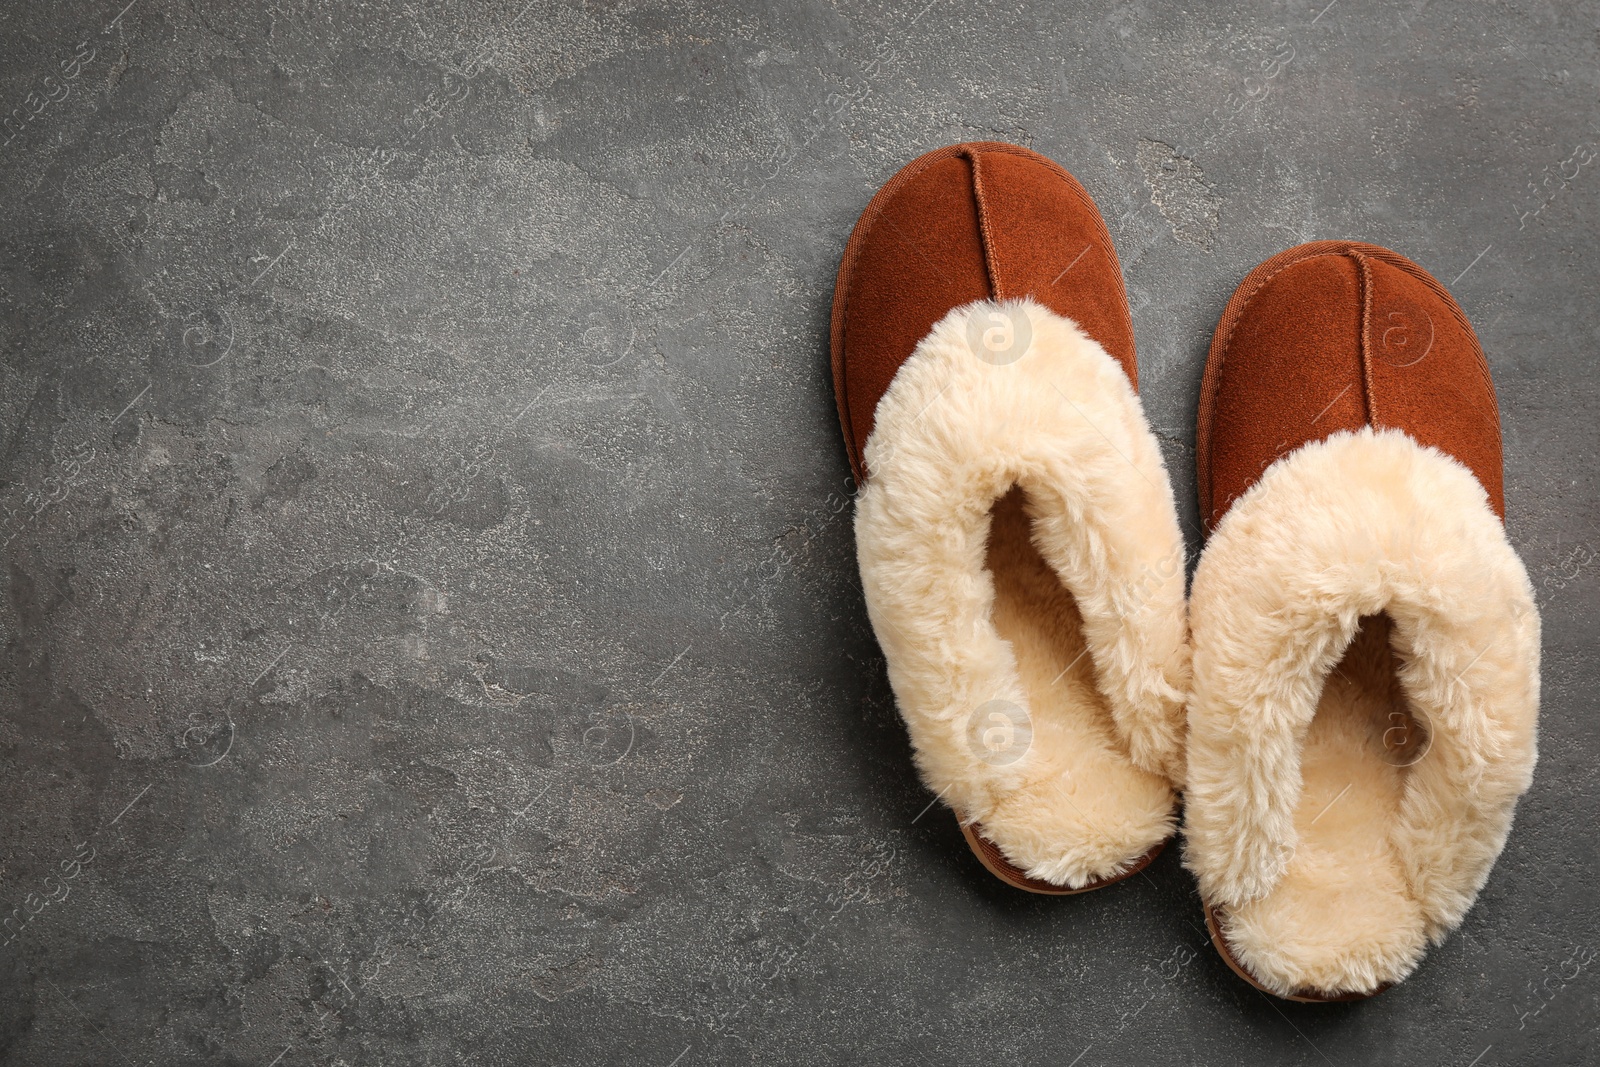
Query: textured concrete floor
(431, 632)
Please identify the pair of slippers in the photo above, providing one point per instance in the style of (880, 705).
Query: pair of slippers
(1347, 699)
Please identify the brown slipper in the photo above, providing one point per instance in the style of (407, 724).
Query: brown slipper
(1366, 646)
(1018, 543)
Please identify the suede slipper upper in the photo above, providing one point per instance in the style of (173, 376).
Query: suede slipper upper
(978, 221)
(1017, 540)
(1366, 645)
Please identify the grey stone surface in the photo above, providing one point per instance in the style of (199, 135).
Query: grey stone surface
(430, 625)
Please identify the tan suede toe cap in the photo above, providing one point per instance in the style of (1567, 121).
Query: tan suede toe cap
(962, 223)
(1337, 335)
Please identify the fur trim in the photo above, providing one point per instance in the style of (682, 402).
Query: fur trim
(1340, 889)
(1087, 790)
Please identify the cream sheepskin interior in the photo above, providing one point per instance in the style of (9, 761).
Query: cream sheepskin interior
(1023, 570)
(1366, 690)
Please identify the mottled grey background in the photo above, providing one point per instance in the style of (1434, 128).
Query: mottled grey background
(431, 632)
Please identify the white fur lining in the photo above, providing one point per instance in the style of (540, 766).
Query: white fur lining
(1352, 526)
(953, 434)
